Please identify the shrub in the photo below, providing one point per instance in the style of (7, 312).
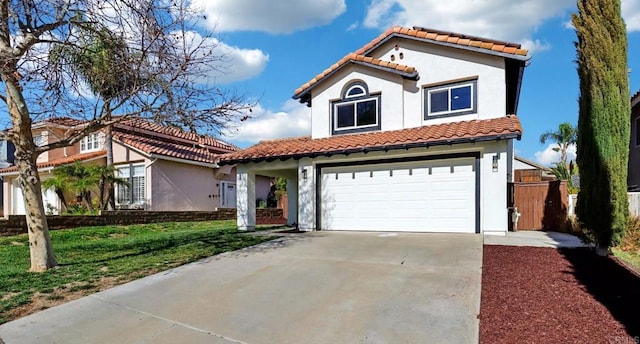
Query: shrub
(631, 239)
(573, 226)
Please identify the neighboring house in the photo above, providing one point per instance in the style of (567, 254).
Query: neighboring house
(633, 179)
(167, 169)
(7, 157)
(529, 171)
(412, 132)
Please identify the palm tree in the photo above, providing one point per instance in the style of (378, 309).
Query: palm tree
(565, 136)
(104, 61)
(60, 183)
(106, 176)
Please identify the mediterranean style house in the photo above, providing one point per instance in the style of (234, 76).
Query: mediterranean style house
(412, 132)
(633, 178)
(167, 169)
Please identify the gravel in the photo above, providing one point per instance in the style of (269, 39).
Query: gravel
(546, 295)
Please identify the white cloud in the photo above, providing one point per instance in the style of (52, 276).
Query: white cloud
(230, 63)
(283, 16)
(548, 156)
(631, 14)
(242, 64)
(293, 120)
(535, 46)
(500, 19)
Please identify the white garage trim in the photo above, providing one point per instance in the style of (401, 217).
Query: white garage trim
(386, 183)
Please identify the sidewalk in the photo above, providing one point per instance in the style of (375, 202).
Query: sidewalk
(535, 239)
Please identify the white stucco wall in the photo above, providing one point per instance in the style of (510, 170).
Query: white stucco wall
(402, 102)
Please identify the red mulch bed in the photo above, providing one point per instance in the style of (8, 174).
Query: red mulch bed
(544, 295)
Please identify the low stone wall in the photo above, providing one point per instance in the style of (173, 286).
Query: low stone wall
(16, 224)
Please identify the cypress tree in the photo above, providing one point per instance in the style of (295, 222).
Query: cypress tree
(603, 123)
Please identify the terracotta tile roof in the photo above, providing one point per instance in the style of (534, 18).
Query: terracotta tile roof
(152, 138)
(150, 145)
(174, 132)
(465, 41)
(438, 134)
(61, 161)
(405, 71)
(485, 45)
(62, 121)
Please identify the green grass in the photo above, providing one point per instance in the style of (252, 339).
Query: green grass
(629, 257)
(90, 254)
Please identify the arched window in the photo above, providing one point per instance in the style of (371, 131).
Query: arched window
(356, 111)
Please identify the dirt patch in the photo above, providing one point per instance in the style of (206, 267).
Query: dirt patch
(544, 295)
(64, 294)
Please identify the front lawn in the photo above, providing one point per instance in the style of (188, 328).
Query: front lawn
(96, 258)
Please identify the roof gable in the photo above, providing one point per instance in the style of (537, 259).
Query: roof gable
(454, 40)
(406, 72)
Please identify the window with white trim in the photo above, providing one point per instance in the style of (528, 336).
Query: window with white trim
(454, 99)
(90, 143)
(40, 140)
(134, 192)
(356, 111)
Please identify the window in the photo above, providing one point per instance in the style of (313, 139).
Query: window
(356, 111)
(451, 100)
(134, 192)
(90, 143)
(40, 140)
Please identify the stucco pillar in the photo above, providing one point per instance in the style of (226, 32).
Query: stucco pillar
(292, 201)
(306, 197)
(246, 199)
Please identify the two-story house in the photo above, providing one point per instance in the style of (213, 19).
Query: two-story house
(166, 168)
(633, 177)
(412, 132)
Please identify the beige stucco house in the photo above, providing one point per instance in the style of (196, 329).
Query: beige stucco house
(167, 169)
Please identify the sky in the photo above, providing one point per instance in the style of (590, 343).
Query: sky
(275, 47)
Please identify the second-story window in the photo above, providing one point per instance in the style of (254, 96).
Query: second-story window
(356, 111)
(90, 143)
(459, 98)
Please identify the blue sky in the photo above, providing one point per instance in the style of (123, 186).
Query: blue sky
(272, 49)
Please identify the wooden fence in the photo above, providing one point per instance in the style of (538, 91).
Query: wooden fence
(542, 205)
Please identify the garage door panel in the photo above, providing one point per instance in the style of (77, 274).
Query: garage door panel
(436, 196)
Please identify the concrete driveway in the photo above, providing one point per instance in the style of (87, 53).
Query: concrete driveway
(323, 287)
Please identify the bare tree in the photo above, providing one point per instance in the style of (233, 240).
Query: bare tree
(103, 61)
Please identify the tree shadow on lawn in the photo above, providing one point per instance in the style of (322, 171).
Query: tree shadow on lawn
(613, 285)
(219, 242)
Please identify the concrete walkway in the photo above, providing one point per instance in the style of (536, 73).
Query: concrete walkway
(311, 288)
(536, 239)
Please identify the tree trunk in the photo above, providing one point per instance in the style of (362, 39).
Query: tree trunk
(42, 257)
(40, 248)
(63, 200)
(101, 188)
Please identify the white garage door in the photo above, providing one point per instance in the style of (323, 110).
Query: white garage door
(425, 196)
